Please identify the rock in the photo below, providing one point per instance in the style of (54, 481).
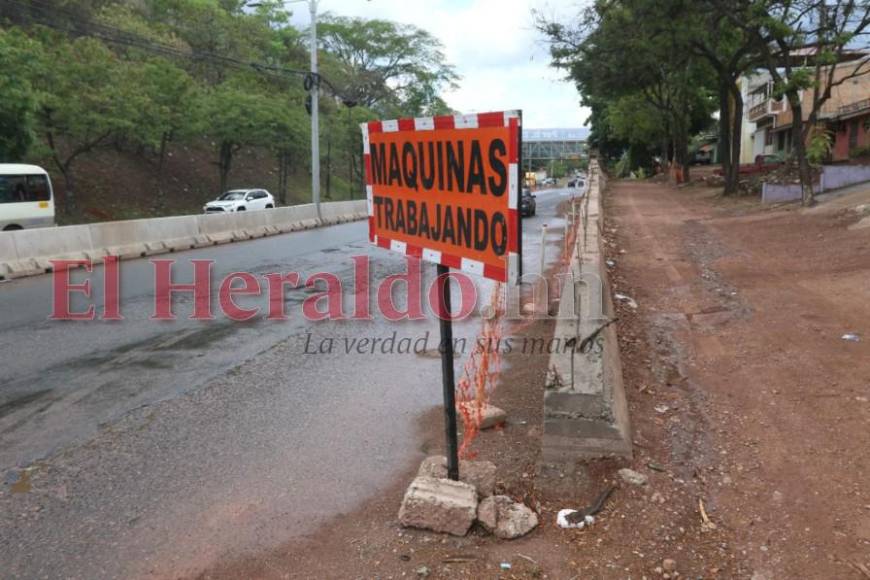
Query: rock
(657, 498)
(490, 416)
(441, 505)
(633, 477)
(669, 565)
(480, 474)
(505, 518)
(778, 497)
(423, 571)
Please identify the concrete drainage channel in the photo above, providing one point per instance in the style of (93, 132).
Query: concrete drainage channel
(30, 252)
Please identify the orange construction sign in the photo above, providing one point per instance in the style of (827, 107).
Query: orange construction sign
(447, 190)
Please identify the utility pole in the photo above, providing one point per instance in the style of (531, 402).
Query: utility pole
(314, 92)
(315, 121)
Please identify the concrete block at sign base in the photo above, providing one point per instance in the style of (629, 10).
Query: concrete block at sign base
(440, 505)
(505, 518)
(480, 474)
(489, 415)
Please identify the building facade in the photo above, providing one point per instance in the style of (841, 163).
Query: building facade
(767, 120)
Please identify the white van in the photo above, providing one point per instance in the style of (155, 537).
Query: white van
(26, 197)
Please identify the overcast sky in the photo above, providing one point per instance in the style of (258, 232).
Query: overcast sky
(502, 60)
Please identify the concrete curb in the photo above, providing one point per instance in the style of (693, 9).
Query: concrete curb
(585, 410)
(29, 252)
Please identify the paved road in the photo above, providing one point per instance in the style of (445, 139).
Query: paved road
(137, 448)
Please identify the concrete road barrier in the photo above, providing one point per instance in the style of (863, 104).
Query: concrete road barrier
(8, 252)
(69, 242)
(29, 252)
(585, 410)
(136, 238)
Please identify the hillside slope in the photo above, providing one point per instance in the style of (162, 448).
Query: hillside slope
(114, 184)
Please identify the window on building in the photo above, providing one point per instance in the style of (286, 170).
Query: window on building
(853, 134)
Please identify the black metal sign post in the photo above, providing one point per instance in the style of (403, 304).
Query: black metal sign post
(447, 379)
(501, 133)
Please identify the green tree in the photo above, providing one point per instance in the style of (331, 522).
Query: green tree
(17, 99)
(388, 66)
(237, 116)
(167, 108)
(289, 140)
(731, 52)
(634, 48)
(85, 100)
(144, 75)
(801, 42)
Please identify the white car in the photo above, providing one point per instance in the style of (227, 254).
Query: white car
(241, 200)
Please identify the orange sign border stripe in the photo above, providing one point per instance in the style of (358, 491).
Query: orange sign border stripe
(509, 119)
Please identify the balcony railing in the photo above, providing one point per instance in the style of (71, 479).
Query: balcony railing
(765, 108)
(855, 107)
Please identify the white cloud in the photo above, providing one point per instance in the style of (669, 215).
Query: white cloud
(502, 60)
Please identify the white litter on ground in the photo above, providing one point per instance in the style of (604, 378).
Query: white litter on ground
(627, 299)
(562, 520)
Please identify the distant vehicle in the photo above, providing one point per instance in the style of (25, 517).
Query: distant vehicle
(241, 200)
(763, 164)
(26, 197)
(528, 205)
(529, 179)
(577, 182)
(703, 156)
(549, 181)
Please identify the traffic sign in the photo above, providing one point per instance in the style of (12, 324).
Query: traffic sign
(446, 189)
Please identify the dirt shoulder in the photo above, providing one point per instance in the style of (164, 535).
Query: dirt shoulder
(738, 334)
(747, 407)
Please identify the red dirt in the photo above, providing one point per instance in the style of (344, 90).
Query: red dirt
(766, 425)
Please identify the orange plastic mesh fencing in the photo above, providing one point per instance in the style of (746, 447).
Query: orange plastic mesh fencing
(483, 365)
(480, 373)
